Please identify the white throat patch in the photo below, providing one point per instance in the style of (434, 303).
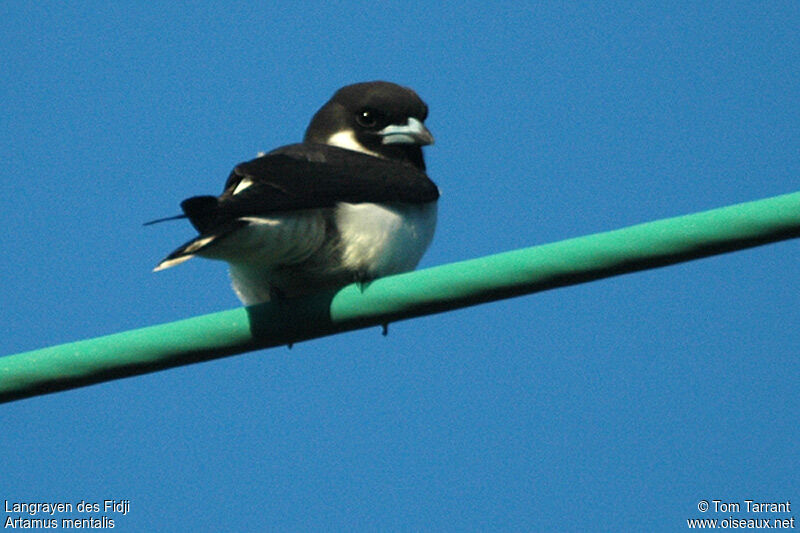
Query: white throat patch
(347, 139)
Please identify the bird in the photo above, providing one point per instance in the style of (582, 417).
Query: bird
(351, 203)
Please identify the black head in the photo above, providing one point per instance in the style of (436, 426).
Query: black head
(379, 118)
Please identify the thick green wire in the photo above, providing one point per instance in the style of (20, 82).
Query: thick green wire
(423, 292)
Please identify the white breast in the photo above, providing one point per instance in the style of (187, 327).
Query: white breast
(380, 239)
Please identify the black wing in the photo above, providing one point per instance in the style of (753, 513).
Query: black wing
(307, 176)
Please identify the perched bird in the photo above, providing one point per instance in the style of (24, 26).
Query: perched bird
(351, 203)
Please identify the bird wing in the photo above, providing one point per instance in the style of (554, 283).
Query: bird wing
(307, 176)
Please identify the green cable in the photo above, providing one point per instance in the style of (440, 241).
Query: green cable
(433, 290)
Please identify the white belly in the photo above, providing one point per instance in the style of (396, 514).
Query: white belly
(379, 240)
(295, 254)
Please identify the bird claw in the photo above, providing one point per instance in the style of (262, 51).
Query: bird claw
(361, 280)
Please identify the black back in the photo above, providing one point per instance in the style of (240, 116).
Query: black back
(307, 176)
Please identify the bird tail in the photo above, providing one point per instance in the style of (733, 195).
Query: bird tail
(200, 210)
(202, 213)
(200, 245)
(185, 252)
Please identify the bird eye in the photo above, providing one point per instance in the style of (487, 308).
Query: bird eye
(368, 118)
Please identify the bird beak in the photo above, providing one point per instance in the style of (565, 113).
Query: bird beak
(414, 132)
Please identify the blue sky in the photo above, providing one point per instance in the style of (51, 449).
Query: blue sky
(614, 405)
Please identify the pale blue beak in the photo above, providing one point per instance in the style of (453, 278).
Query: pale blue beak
(414, 132)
